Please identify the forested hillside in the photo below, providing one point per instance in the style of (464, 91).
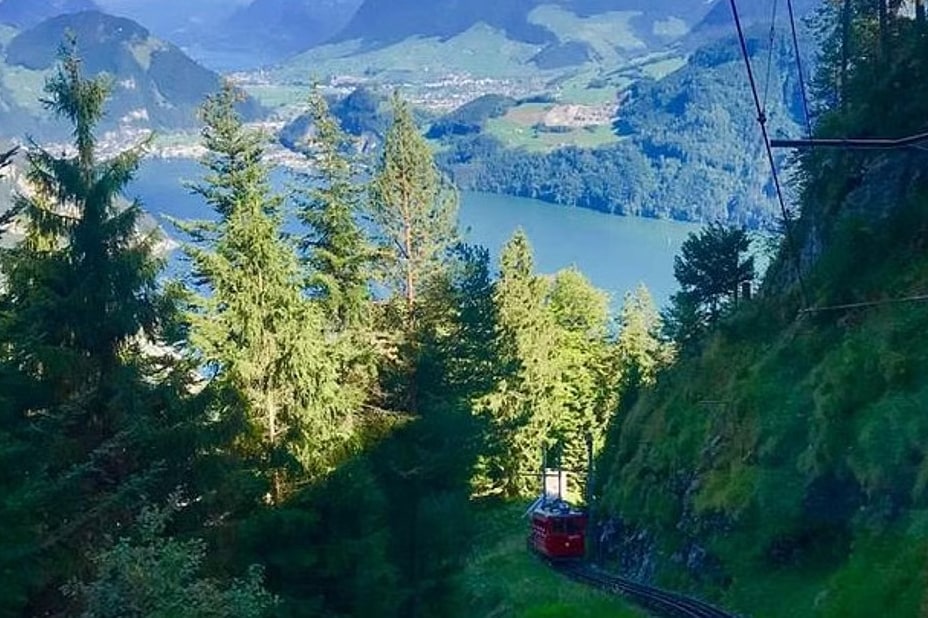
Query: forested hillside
(689, 147)
(779, 466)
(337, 408)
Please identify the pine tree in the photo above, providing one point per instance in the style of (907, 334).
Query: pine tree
(83, 395)
(263, 342)
(641, 352)
(427, 466)
(414, 209)
(338, 257)
(712, 267)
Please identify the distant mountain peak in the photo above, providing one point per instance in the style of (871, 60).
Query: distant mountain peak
(285, 27)
(154, 84)
(27, 13)
(383, 22)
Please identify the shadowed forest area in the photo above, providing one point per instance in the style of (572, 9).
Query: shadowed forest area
(331, 418)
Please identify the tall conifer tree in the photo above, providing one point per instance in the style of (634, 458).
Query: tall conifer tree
(519, 411)
(641, 353)
(337, 251)
(261, 339)
(414, 208)
(338, 256)
(584, 391)
(80, 394)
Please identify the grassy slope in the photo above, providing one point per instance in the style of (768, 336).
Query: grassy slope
(503, 580)
(481, 51)
(809, 481)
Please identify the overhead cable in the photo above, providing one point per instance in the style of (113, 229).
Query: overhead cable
(770, 48)
(762, 120)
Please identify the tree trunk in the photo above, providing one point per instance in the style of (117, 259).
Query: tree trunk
(410, 274)
(920, 15)
(276, 482)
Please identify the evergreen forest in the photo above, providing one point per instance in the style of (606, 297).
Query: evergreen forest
(339, 401)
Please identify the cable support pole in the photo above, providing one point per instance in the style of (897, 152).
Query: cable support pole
(865, 304)
(853, 143)
(802, 78)
(762, 120)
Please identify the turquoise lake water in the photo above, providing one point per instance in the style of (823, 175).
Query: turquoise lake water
(616, 253)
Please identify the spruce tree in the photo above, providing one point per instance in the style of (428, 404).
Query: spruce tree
(83, 397)
(584, 390)
(519, 412)
(337, 252)
(337, 255)
(263, 343)
(414, 209)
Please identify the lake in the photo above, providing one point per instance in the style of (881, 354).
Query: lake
(615, 253)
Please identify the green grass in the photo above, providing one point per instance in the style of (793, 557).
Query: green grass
(787, 594)
(591, 87)
(504, 580)
(609, 34)
(277, 96)
(517, 132)
(662, 68)
(479, 51)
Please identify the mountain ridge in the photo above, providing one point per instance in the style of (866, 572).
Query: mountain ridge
(382, 22)
(27, 13)
(154, 84)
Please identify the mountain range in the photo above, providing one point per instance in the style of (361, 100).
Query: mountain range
(581, 74)
(27, 13)
(390, 21)
(154, 84)
(284, 27)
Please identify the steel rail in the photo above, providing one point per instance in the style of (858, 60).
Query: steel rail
(662, 602)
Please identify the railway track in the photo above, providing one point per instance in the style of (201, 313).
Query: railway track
(661, 602)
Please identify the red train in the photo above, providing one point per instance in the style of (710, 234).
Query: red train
(558, 530)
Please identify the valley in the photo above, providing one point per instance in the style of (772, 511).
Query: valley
(393, 309)
(583, 77)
